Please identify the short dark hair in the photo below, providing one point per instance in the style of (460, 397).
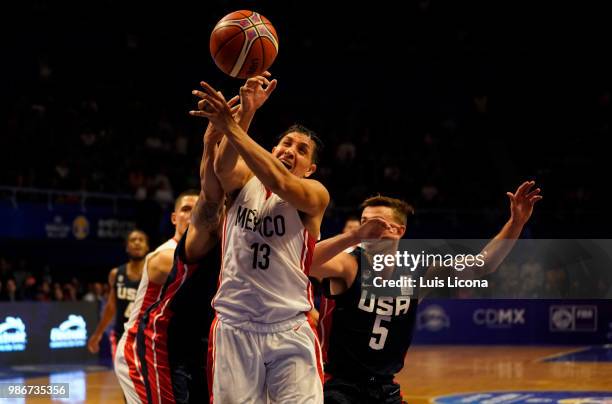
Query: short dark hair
(135, 230)
(189, 192)
(316, 153)
(352, 218)
(401, 210)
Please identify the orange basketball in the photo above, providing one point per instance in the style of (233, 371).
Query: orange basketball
(244, 44)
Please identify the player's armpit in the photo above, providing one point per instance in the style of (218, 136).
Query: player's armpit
(159, 266)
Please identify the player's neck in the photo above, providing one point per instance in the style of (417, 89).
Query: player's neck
(135, 267)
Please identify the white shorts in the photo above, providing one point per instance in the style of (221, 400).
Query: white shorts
(263, 366)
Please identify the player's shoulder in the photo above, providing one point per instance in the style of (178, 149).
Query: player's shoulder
(112, 275)
(318, 185)
(162, 257)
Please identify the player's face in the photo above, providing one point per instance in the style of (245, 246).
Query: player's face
(295, 151)
(182, 213)
(386, 213)
(137, 245)
(350, 225)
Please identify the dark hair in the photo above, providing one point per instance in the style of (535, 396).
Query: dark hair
(316, 153)
(401, 210)
(127, 236)
(189, 192)
(351, 218)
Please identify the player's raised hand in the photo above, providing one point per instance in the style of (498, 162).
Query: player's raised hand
(212, 136)
(256, 91)
(214, 107)
(522, 202)
(373, 229)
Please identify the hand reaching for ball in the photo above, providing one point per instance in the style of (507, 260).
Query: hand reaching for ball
(256, 91)
(214, 107)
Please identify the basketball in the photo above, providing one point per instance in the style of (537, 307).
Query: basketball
(244, 44)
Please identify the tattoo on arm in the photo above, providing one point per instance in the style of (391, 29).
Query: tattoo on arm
(207, 214)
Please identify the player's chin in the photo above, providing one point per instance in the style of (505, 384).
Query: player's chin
(138, 255)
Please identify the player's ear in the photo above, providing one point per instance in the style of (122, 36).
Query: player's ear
(173, 218)
(401, 230)
(311, 170)
(273, 150)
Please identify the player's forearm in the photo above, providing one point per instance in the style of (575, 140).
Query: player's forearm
(208, 208)
(500, 246)
(270, 171)
(210, 185)
(227, 157)
(329, 248)
(107, 317)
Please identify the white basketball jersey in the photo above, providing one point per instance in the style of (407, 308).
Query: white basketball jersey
(266, 258)
(127, 364)
(143, 286)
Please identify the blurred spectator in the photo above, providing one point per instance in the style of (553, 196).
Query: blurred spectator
(29, 288)
(44, 292)
(58, 293)
(70, 293)
(95, 293)
(10, 293)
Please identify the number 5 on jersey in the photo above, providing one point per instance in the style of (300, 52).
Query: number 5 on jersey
(378, 343)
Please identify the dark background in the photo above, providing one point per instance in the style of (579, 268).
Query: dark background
(445, 104)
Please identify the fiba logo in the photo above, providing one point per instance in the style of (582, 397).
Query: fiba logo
(13, 335)
(433, 318)
(80, 227)
(562, 319)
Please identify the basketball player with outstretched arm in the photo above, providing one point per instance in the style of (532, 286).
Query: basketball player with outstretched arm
(370, 335)
(158, 265)
(262, 347)
(123, 282)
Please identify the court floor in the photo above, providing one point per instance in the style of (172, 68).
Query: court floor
(435, 371)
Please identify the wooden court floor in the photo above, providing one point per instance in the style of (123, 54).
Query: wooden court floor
(433, 371)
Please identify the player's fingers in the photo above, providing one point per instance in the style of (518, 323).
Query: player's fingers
(207, 104)
(528, 187)
(210, 104)
(233, 101)
(198, 93)
(208, 89)
(263, 80)
(254, 82)
(221, 96)
(521, 189)
(260, 79)
(533, 193)
(201, 114)
(536, 198)
(266, 74)
(271, 87)
(511, 196)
